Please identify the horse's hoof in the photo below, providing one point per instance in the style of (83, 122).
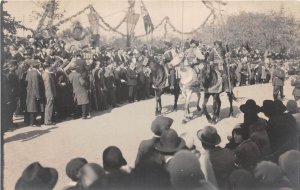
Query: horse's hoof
(175, 108)
(231, 115)
(184, 121)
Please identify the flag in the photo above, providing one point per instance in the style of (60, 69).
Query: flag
(147, 19)
(132, 19)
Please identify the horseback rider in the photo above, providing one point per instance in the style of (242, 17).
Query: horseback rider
(219, 61)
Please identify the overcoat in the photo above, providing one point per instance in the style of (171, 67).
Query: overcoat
(81, 94)
(35, 91)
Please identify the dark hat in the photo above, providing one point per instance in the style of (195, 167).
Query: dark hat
(185, 171)
(250, 106)
(268, 107)
(209, 135)
(169, 142)
(74, 166)
(113, 158)
(161, 123)
(35, 176)
(279, 106)
(194, 42)
(292, 106)
(167, 43)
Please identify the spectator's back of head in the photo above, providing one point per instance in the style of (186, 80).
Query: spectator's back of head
(241, 179)
(113, 158)
(73, 167)
(184, 169)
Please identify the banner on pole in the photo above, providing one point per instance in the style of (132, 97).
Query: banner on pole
(147, 19)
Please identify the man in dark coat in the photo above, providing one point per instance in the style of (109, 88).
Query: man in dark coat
(222, 159)
(282, 128)
(64, 101)
(35, 92)
(50, 93)
(80, 91)
(146, 151)
(132, 77)
(9, 95)
(278, 81)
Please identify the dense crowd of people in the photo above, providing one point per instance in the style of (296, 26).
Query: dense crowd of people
(42, 77)
(261, 154)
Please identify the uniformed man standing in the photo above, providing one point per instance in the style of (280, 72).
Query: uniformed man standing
(278, 81)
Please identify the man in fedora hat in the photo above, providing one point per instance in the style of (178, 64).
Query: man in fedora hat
(146, 151)
(37, 177)
(282, 128)
(255, 126)
(222, 159)
(168, 144)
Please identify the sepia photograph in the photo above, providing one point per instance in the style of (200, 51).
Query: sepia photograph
(150, 94)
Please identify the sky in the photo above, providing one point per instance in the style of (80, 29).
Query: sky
(186, 15)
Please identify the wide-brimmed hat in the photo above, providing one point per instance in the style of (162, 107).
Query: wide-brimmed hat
(279, 107)
(35, 176)
(292, 107)
(161, 123)
(74, 166)
(250, 106)
(209, 135)
(169, 142)
(268, 107)
(185, 171)
(113, 158)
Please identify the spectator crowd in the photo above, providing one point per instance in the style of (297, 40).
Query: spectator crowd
(41, 77)
(260, 154)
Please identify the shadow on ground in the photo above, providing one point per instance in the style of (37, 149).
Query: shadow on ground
(23, 137)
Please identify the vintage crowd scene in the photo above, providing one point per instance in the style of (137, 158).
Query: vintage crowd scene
(46, 81)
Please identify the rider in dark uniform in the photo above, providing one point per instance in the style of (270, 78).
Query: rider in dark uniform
(218, 61)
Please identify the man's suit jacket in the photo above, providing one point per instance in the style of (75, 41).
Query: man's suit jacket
(81, 94)
(147, 152)
(278, 77)
(49, 82)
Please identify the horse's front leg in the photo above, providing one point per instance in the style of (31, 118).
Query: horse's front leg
(198, 101)
(204, 106)
(157, 99)
(187, 116)
(230, 98)
(216, 108)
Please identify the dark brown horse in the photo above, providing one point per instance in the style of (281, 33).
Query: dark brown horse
(159, 78)
(214, 84)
